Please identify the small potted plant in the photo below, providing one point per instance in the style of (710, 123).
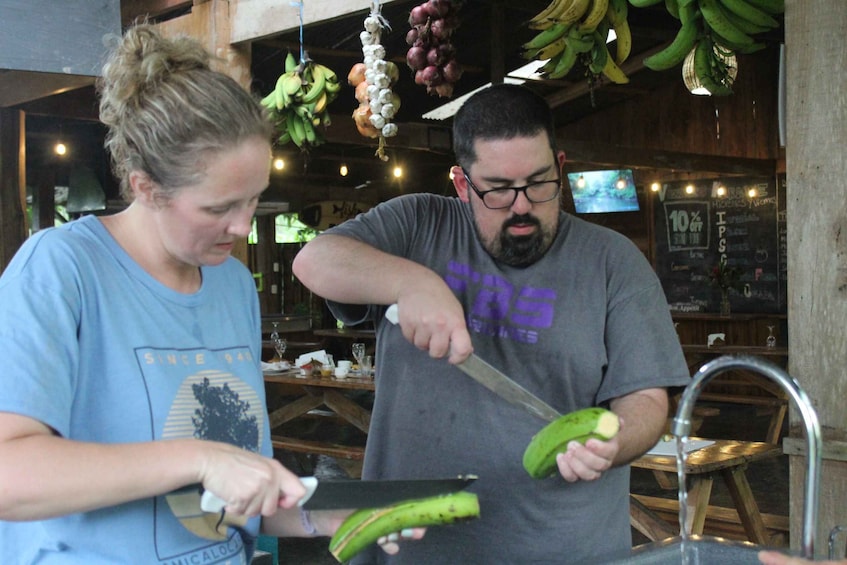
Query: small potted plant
(725, 277)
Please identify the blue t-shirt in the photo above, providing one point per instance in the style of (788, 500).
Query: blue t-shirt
(100, 351)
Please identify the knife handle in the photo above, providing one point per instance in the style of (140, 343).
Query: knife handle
(391, 314)
(210, 502)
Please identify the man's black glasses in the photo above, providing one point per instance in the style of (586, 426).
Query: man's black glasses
(499, 198)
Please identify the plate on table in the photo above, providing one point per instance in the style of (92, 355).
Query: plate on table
(276, 367)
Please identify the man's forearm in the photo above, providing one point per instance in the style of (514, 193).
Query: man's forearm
(644, 414)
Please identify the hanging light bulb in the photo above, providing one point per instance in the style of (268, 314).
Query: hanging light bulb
(689, 189)
(655, 187)
(279, 163)
(580, 182)
(397, 172)
(621, 183)
(343, 170)
(60, 148)
(752, 193)
(721, 190)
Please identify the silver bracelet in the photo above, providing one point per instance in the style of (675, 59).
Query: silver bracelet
(306, 520)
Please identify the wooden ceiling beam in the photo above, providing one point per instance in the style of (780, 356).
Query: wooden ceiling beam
(647, 158)
(257, 19)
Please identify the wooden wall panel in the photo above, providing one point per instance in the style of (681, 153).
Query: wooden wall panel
(672, 119)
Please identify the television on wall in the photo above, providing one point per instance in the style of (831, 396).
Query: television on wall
(603, 191)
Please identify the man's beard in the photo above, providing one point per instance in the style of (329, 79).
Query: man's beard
(521, 251)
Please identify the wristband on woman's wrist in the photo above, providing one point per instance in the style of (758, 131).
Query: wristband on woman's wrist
(306, 521)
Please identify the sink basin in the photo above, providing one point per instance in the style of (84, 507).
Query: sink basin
(699, 550)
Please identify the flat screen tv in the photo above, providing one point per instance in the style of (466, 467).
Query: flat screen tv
(603, 191)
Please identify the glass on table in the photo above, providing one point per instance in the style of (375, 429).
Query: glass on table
(366, 365)
(279, 343)
(771, 340)
(358, 353)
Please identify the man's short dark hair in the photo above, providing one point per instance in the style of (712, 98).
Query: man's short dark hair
(502, 111)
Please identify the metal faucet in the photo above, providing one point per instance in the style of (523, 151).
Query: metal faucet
(682, 426)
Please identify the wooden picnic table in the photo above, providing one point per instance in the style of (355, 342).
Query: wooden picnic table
(727, 459)
(325, 397)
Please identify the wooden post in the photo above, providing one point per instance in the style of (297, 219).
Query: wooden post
(816, 95)
(12, 184)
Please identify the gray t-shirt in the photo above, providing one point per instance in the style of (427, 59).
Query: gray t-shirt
(587, 323)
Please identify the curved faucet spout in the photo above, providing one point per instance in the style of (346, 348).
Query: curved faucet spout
(681, 426)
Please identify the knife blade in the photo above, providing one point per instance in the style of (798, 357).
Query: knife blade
(496, 381)
(324, 494)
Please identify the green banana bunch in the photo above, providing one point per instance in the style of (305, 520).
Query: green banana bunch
(717, 29)
(713, 69)
(682, 44)
(364, 527)
(539, 458)
(575, 31)
(298, 103)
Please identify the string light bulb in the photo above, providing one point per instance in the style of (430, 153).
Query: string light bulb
(752, 193)
(721, 190)
(60, 149)
(397, 172)
(655, 187)
(343, 170)
(279, 163)
(580, 182)
(689, 189)
(621, 183)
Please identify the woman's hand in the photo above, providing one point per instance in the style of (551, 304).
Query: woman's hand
(390, 543)
(249, 483)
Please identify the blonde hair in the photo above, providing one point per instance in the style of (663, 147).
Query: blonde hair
(168, 113)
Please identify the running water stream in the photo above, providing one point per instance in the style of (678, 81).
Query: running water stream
(683, 496)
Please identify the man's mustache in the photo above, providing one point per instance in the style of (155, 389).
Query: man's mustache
(521, 220)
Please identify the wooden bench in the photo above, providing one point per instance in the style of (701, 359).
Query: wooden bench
(348, 457)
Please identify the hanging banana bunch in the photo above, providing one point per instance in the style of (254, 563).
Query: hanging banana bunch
(298, 103)
(711, 33)
(572, 31)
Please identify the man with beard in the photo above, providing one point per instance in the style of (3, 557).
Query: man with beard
(570, 310)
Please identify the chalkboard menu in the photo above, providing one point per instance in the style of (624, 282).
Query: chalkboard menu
(699, 222)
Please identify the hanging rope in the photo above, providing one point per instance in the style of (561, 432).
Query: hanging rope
(299, 5)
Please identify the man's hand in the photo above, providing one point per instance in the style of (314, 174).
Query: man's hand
(777, 558)
(587, 462)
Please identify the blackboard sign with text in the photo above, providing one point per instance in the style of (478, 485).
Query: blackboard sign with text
(694, 229)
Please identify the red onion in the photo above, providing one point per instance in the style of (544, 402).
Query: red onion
(418, 15)
(433, 56)
(419, 78)
(412, 36)
(452, 71)
(431, 76)
(437, 8)
(416, 58)
(439, 29)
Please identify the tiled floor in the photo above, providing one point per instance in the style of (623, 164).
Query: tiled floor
(768, 480)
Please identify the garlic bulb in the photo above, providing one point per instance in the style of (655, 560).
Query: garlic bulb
(377, 120)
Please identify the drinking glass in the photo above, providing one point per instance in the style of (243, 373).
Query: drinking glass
(771, 340)
(279, 343)
(359, 353)
(367, 365)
